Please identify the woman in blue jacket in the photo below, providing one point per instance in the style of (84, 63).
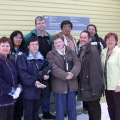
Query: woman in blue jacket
(29, 65)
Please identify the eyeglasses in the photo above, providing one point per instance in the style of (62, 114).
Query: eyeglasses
(20, 38)
(36, 45)
(66, 26)
(108, 40)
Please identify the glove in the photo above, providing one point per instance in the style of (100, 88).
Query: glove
(17, 93)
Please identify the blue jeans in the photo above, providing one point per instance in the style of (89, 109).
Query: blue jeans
(63, 101)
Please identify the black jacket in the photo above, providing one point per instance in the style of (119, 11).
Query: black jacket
(91, 76)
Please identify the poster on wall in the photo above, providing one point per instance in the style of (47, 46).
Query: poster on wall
(53, 23)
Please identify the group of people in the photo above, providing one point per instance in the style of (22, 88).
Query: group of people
(84, 69)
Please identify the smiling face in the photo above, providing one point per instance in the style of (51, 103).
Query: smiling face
(17, 40)
(92, 31)
(84, 40)
(4, 49)
(40, 25)
(111, 42)
(59, 43)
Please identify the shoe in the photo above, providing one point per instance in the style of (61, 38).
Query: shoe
(48, 115)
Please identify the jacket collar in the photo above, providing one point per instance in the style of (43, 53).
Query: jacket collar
(38, 56)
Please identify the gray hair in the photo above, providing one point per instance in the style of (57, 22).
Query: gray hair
(39, 18)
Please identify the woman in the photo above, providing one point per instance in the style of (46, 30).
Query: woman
(8, 81)
(29, 64)
(110, 58)
(65, 68)
(17, 50)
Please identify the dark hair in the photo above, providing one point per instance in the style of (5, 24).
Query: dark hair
(109, 35)
(93, 26)
(56, 36)
(22, 46)
(66, 22)
(86, 31)
(4, 40)
(33, 38)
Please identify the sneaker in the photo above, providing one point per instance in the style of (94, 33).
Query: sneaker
(48, 115)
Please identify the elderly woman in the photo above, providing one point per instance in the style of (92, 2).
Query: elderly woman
(8, 81)
(17, 50)
(110, 58)
(65, 68)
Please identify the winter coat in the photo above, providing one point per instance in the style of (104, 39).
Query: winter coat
(91, 76)
(28, 72)
(113, 67)
(8, 80)
(58, 80)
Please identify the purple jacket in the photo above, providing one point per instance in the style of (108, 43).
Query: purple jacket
(8, 80)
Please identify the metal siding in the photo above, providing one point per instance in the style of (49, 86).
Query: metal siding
(20, 15)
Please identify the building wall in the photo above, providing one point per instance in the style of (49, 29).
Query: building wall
(20, 14)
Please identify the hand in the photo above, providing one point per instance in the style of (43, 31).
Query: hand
(117, 89)
(46, 77)
(38, 84)
(69, 76)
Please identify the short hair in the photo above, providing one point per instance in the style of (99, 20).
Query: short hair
(86, 31)
(93, 26)
(4, 40)
(109, 35)
(66, 22)
(39, 18)
(33, 38)
(56, 36)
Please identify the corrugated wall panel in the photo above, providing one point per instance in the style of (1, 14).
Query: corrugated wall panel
(15, 14)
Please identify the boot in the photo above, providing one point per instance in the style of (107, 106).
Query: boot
(48, 115)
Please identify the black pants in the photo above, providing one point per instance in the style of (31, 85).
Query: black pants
(18, 111)
(31, 107)
(6, 113)
(94, 109)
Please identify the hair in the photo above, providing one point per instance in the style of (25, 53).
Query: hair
(56, 36)
(109, 35)
(86, 31)
(39, 18)
(93, 26)
(23, 45)
(66, 22)
(4, 40)
(33, 38)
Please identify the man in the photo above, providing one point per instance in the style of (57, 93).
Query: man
(91, 85)
(66, 27)
(95, 39)
(45, 45)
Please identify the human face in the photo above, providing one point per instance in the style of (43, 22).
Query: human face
(4, 49)
(66, 29)
(17, 40)
(33, 47)
(59, 44)
(92, 31)
(40, 25)
(84, 40)
(111, 42)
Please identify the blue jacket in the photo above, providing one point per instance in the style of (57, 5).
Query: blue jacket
(28, 68)
(8, 80)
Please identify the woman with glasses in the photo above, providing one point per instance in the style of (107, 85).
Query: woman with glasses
(110, 58)
(29, 64)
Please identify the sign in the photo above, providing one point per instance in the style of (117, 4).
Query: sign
(53, 23)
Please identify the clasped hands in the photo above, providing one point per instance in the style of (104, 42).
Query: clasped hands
(69, 76)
